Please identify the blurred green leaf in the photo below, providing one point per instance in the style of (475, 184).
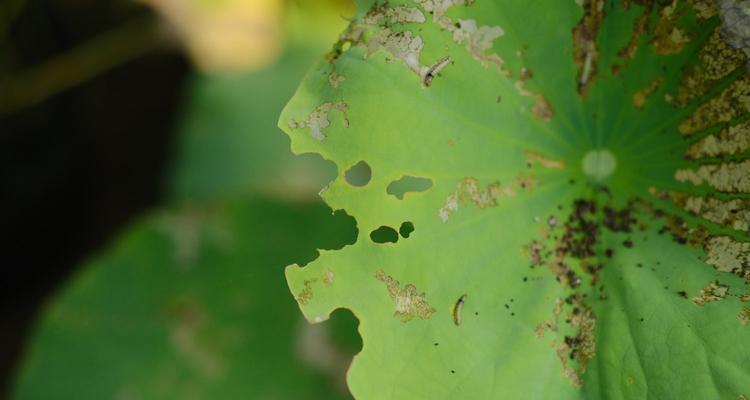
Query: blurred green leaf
(191, 304)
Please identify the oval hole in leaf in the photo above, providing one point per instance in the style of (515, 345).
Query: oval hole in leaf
(384, 234)
(406, 229)
(408, 184)
(359, 174)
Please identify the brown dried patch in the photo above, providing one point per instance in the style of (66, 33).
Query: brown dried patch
(542, 109)
(380, 14)
(640, 26)
(682, 233)
(306, 294)
(318, 119)
(668, 37)
(725, 177)
(468, 191)
(328, 277)
(640, 97)
(734, 213)
(404, 46)
(546, 162)
(478, 40)
(744, 317)
(730, 141)
(717, 59)
(334, 79)
(731, 103)
(407, 301)
(705, 9)
(581, 346)
(585, 52)
(728, 255)
(714, 291)
(550, 325)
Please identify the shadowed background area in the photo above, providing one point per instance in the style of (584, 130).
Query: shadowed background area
(149, 203)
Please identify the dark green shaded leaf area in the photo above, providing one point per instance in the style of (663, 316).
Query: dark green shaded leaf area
(190, 304)
(585, 232)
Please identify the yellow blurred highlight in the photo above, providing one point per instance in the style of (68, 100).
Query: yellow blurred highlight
(227, 35)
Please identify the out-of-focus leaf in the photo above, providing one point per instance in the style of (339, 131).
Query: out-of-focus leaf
(190, 304)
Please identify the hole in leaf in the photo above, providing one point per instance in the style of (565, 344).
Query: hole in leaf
(384, 234)
(344, 332)
(408, 184)
(359, 174)
(406, 229)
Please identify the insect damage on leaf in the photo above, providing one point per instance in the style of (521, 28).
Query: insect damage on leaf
(726, 177)
(407, 301)
(318, 119)
(730, 141)
(306, 294)
(744, 317)
(728, 255)
(585, 52)
(640, 26)
(640, 97)
(335, 79)
(714, 291)
(716, 60)
(383, 13)
(705, 9)
(731, 103)
(533, 157)
(580, 346)
(733, 213)
(328, 277)
(468, 191)
(668, 37)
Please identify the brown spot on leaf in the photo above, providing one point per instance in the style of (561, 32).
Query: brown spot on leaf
(714, 291)
(468, 191)
(728, 255)
(744, 316)
(306, 294)
(407, 301)
(640, 97)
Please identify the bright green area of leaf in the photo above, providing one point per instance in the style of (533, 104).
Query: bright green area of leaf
(474, 121)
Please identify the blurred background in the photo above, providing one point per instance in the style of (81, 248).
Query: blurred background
(149, 203)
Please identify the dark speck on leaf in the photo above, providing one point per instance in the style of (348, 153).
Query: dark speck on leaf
(682, 294)
(628, 243)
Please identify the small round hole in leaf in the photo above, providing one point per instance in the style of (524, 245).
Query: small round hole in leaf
(406, 229)
(384, 234)
(359, 174)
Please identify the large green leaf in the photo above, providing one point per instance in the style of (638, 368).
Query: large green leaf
(586, 231)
